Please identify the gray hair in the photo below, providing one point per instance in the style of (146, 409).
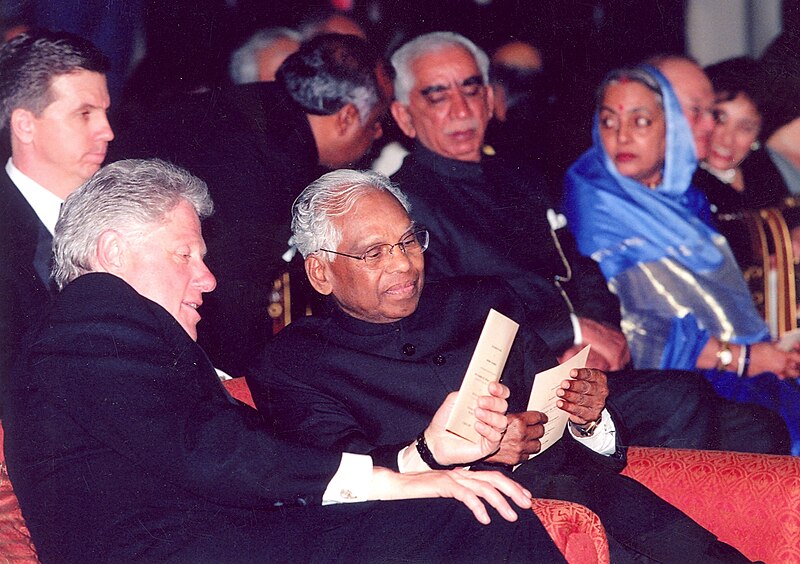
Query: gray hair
(243, 67)
(404, 57)
(634, 74)
(331, 71)
(333, 195)
(124, 196)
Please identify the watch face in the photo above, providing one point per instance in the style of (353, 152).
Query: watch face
(725, 357)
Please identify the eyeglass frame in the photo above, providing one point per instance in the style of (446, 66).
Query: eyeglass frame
(413, 231)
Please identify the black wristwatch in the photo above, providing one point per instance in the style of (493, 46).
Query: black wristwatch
(427, 456)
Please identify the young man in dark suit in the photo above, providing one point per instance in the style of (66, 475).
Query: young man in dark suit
(53, 103)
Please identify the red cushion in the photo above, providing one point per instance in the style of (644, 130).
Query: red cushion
(751, 501)
(15, 540)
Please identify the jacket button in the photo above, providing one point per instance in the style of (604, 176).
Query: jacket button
(439, 360)
(409, 349)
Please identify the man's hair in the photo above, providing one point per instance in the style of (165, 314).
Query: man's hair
(331, 71)
(29, 62)
(404, 58)
(630, 74)
(126, 196)
(243, 67)
(333, 195)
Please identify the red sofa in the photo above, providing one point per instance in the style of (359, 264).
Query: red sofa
(748, 500)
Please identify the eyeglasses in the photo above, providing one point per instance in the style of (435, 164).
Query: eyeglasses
(377, 256)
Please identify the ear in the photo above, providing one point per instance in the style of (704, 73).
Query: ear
(403, 119)
(490, 100)
(317, 272)
(110, 253)
(346, 118)
(22, 125)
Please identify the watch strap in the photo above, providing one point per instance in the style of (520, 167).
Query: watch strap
(427, 456)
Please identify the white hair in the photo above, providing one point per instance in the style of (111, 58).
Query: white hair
(333, 195)
(404, 57)
(123, 196)
(243, 67)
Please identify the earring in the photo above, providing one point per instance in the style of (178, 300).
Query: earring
(755, 145)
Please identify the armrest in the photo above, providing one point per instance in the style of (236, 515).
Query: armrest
(15, 540)
(575, 530)
(751, 501)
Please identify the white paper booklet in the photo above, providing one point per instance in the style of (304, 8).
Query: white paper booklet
(486, 366)
(543, 397)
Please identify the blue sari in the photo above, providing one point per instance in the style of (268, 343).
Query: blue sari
(675, 275)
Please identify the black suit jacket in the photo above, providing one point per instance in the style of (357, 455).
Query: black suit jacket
(25, 289)
(119, 434)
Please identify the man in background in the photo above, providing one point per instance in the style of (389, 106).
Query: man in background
(53, 105)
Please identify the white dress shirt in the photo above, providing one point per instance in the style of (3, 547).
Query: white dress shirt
(45, 204)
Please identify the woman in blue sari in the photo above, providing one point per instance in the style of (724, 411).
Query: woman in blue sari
(632, 208)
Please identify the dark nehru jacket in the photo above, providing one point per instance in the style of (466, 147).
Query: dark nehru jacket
(342, 383)
(336, 381)
(487, 220)
(25, 285)
(254, 147)
(123, 446)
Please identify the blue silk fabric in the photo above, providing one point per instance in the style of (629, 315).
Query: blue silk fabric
(676, 278)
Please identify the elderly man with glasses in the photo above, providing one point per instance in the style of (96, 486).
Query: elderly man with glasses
(377, 373)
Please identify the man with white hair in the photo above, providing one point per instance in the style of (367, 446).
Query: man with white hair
(487, 219)
(369, 376)
(124, 447)
(695, 94)
(258, 59)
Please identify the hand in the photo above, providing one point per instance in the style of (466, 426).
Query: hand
(583, 397)
(609, 343)
(521, 438)
(767, 357)
(448, 448)
(467, 487)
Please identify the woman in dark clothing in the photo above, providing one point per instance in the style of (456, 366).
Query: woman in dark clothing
(737, 174)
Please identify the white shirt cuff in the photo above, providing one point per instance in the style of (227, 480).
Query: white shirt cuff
(352, 480)
(576, 329)
(604, 439)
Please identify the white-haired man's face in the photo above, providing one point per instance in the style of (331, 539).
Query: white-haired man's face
(449, 106)
(164, 264)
